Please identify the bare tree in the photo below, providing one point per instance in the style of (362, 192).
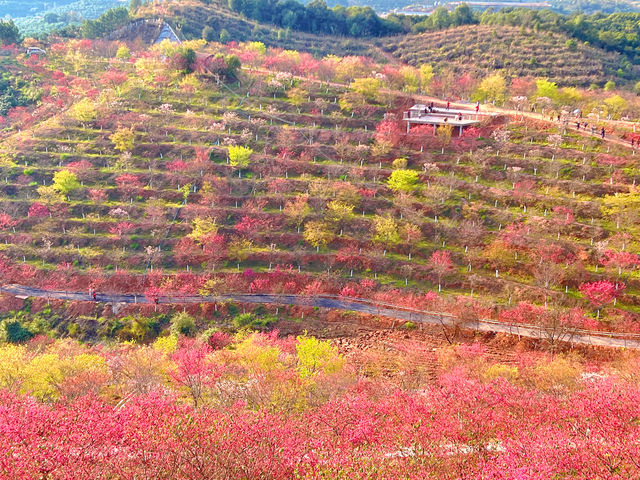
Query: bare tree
(556, 326)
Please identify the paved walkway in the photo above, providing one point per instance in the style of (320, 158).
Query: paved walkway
(334, 302)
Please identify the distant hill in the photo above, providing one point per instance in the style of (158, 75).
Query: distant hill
(562, 6)
(36, 18)
(190, 19)
(481, 49)
(476, 49)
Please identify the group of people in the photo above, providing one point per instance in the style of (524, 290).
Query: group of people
(593, 128)
(431, 109)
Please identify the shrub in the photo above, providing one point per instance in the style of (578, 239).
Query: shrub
(403, 181)
(183, 324)
(251, 321)
(12, 331)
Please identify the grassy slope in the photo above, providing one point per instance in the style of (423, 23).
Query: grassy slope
(484, 49)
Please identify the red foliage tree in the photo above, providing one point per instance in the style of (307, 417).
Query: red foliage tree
(441, 265)
(601, 292)
(389, 131)
(121, 228)
(129, 185)
(620, 260)
(6, 221)
(113, 78)
(38, 210)
(195, 369)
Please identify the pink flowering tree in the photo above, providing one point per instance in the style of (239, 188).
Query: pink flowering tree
(441, 265)
(601, 293)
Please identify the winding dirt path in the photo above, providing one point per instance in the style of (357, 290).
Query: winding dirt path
(333, 302)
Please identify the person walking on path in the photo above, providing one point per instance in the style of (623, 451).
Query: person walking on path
(602, 132)
(448, 105)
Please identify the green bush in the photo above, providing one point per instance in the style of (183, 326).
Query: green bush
(250, 320)
(13, 331)
(183, 324)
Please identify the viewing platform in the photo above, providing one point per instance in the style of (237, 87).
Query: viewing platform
(421, 114)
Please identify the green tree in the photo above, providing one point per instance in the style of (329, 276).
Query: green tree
(105, 23)
(239, 249)
(403, 180)
(49, 195)
(545, 88)
(239, 156)
(65, 181)
(339, 212)
(624, 207)
(123, 52)
(610, 85)
(12, 331)
(183, 324)
(369, 87)
(444, 133)
(410, 78)
(399, 163)
(297, 210)
(440, 18)
(615, 105)
(462, 15)
(209, 34)
(426, 77)
(9, 33)
(203, 227)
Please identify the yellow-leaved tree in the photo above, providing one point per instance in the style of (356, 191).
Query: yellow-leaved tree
(123, 139)
(317, 234)
(203, 227)
(492, 89)
(624, 207)
(317, 357)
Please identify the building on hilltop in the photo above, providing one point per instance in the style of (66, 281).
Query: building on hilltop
(421, 114)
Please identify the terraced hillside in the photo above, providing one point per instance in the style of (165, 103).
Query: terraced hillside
(163, 182)
(484, 49)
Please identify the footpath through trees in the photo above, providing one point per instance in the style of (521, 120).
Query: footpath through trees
(335, 302)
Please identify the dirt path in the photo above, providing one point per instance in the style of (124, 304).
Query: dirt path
(492, 109)
(396, 312)
(484, 109)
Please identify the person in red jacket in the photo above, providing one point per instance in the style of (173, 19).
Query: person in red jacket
(448, 105)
